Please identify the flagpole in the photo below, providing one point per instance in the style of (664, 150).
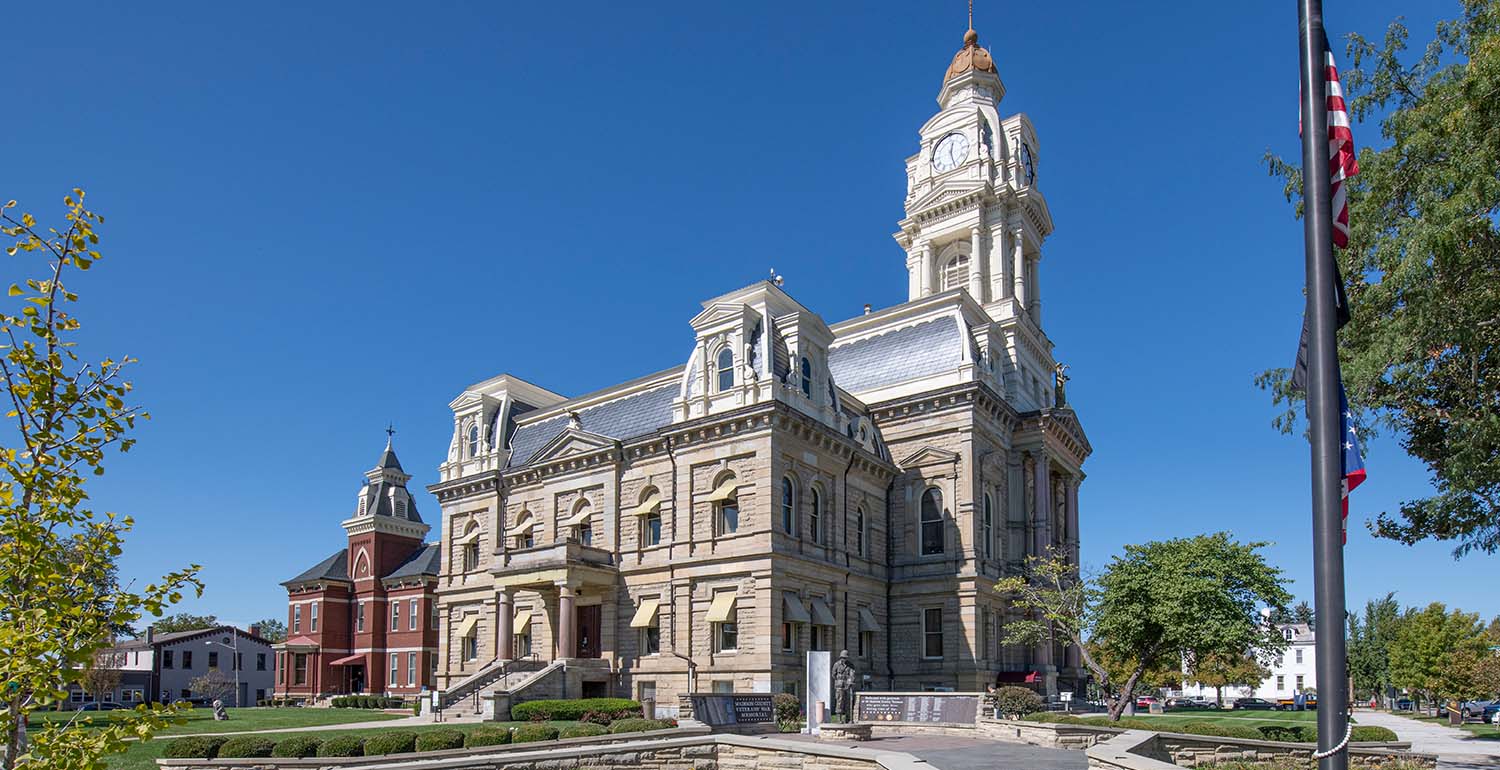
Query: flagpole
(1323, 395)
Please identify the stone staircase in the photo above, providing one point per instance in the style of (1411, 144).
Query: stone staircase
(501, 676)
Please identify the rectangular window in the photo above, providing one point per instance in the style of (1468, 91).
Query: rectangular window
(651, 639)
(396, 615)
(723, 686)
(859, 532)
(866, 643)
(411, 669)
(1299, 681)
(260, 661)
(727, 639)
(788, 637)
(1299, 655)
(166, 658)
(471, 647)
(522, 645)
(213, 659)
(411, 615)
(432, 669)
(932, 633)
(359, 617)
(820, 635)
(296, 618)
(76, 696)
(299, 668)
(186, 693)
(281, 667)
(1280, 682)
(727, 521)
(432, 618)
(984, 630)
(312, 619)
(651, 529)
(260, 695)
(395, 669)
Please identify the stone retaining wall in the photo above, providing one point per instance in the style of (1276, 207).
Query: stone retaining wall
(1144, 750)
(1054, 736)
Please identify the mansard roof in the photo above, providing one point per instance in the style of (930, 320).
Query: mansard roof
(908, 353)
(378, 503)
(335, 567)
(427, 560)
(636, 414)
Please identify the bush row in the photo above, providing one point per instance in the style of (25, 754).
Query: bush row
(249, 746)
(367, 702)
(606, 709)
(1284, 733)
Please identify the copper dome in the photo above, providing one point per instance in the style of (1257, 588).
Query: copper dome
(970, 57)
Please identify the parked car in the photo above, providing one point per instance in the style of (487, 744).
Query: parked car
(1145, 701)
(1403, 704)
(1253, 704)
(1491, 713)
(1475, 708)
(97, 706)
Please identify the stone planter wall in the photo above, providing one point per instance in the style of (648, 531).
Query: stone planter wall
(1143, 750)
(1056, 736)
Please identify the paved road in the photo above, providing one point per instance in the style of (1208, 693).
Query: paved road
(1455, 748)
(946, 753)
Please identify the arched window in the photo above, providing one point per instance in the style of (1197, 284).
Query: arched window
(726, 500)
(651, 528)
(726, 369)
(815, 516)
(932, 522)
(474, 440)
(788, 506)
(859, 531)
(471, 547)
(989, 526)
(806, 377)
(956, 272)
(582, 523)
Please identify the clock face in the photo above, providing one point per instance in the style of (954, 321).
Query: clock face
(1028, 166)
(950, 151)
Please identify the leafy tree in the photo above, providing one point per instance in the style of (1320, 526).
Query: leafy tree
(1151, 607)
(1421, 354)
(272, 630)
(214, 685)
(1428, 648)
(104, 674)
(184, 621)
(1370, 638)
(1220, 670)
(66, 415)
(1303, 613)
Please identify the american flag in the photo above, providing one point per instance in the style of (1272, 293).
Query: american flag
(1351, 462)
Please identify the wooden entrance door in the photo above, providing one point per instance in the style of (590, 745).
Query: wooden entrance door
(588, 631)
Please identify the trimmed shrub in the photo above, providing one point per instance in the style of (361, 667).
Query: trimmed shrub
(487, 736)
(390, 743)
(571, 710)
(788, 708)
(1017, 701)
(440, 740)
(639, 725)
(1372, 733)
(339, 702)
(246, 746)
(297, 746)
(534, 732)
(343, 746)
(202, 747)
(582, 730)
(1287, 733)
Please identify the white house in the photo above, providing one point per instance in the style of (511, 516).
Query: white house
(1294, 672)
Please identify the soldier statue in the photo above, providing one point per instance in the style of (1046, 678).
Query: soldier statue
(220, 714)
(844, 679)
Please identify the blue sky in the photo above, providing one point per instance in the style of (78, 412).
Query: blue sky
(326, 217)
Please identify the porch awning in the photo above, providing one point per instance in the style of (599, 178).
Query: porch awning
(467, 538)
(867, 620)
(651, 503)
(348, 660)
(645, 613)
(724, 490)
(467, 626)
(723, 604)
(821, 614)
(792, 610)
(522, 527)
(520, 622)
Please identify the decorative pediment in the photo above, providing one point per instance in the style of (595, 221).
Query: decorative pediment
(720, 313)
(1067, 422)
(927, 456)
(943, 193)
(572, 441)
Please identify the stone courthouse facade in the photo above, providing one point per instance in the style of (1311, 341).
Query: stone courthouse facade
(792, 486)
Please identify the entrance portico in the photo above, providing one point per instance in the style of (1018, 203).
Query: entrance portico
(564, 574)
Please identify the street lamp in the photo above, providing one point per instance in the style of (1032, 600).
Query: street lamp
(234, 663)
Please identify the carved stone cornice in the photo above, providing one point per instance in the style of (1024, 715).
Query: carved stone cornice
(968, 395)
(488, 482)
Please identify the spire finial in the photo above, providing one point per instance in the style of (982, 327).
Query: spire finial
(971, 14)
(390, 432)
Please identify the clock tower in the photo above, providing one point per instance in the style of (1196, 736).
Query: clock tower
(975, 218)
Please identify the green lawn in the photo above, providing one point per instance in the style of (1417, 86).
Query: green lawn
(1227, 717)
(201, 720)
(143, 755)
(1482, 731)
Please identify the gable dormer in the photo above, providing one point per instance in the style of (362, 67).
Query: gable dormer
(484, 417)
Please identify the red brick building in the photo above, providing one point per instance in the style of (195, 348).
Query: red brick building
(363, 620)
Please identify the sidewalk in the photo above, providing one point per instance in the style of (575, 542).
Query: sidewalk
(1454, 747)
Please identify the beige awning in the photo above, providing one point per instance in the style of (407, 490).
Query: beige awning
(724, 490)
(521, 527)
(467, 626)
(578, 518)
(470, 537)
(651, 503)
(722, 606)
(792, 610)
(645, 613)
(520, 622)
(867, 620)
(821, 614)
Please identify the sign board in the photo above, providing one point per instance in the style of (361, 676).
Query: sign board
(1065, 696)
(717, 710)
(924, 708)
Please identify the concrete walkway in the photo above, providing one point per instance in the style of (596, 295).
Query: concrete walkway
(1455, 748)
(946, 753)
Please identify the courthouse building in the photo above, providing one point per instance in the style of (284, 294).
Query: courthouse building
(792, 485)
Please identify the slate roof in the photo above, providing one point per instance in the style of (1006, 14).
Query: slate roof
(379, 502)
(388, 459)
(930, 347)
(426, 560)
(335, 567)
(624, 418)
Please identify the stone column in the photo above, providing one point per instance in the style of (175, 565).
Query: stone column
(1018, 261)
(1001, 284)
(1041, 516)
(567, 616)
(504, 626)
(927, 268)
(1073, 484)
(1034, 291)
(976, 257)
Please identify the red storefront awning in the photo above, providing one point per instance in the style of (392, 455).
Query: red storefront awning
(351, 659)
(1024, 677)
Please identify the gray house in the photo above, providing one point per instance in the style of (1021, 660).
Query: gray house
(162, 667)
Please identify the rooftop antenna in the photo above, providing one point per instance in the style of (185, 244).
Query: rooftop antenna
(776, 279)
(971, 14)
